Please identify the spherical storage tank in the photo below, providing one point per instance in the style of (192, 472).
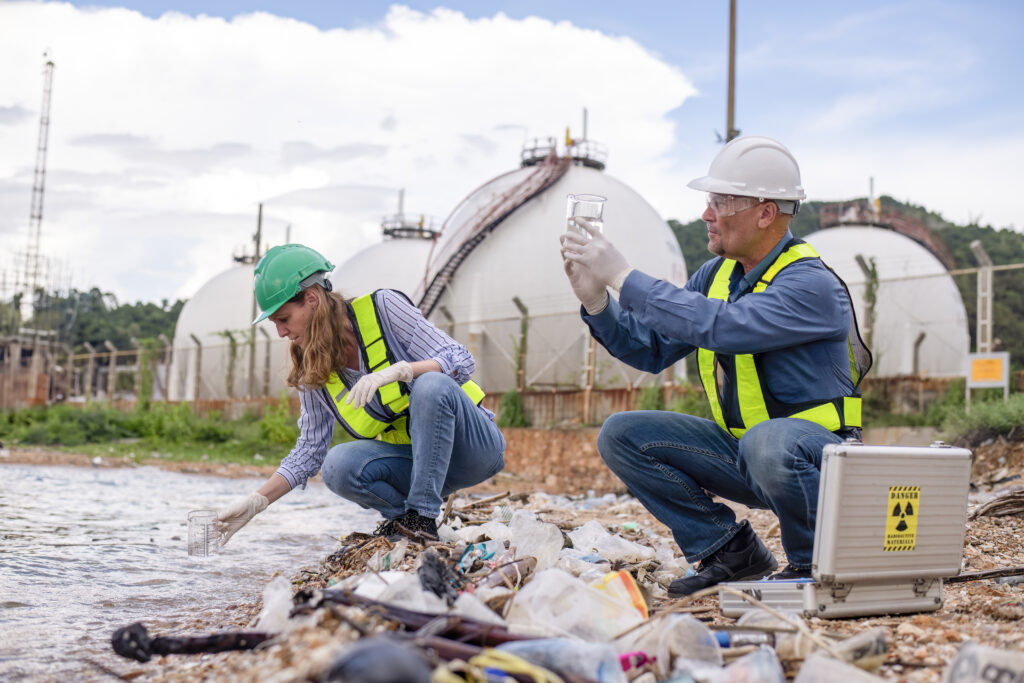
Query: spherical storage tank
(396, 263)
(920, 323)
(219, 311)
(518, 259)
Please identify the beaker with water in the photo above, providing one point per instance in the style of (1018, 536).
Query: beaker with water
(202, 533)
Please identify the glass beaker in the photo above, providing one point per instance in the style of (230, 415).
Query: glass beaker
(202, 533)
(587, 208)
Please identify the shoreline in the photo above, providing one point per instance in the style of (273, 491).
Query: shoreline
(21, 455)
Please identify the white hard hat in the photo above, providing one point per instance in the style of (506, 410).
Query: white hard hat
(753, 166)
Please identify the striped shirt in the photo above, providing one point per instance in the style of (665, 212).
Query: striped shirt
(411, 337)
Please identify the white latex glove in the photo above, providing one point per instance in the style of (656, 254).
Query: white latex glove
(591, 293)
(235, 516)
(607, 265)
(371, 382)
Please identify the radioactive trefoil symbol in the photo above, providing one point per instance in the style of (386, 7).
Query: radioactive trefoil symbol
(907, 511)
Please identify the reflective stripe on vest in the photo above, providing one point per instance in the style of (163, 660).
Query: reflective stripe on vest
(750, 390)
(394, 396)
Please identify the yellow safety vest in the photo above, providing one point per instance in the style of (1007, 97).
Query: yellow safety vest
(394, 396)
(833, 414)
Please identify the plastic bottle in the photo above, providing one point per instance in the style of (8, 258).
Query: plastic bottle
(596, 661)
(976, 663)
(821, 668)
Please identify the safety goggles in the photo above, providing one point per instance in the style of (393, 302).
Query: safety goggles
(725, 205)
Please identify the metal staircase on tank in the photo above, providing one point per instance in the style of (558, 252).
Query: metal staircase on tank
(442, 267)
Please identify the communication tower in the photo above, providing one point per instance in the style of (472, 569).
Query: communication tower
(31, 277)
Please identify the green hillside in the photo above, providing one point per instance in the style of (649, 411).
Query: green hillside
(1004, 246)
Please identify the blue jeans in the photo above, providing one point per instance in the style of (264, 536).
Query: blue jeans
(675, 463)
(454, 445)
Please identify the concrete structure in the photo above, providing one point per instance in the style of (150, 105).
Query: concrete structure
(920, 324)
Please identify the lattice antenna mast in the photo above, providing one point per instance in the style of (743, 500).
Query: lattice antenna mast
(35, 222)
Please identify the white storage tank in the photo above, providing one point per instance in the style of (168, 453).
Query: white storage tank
(920, 322)
(219, 311)
(500, 244)
(398, 262)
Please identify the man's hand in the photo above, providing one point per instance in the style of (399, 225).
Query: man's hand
(368, 385)
(591, 293)
(604, 262)
(235, 516)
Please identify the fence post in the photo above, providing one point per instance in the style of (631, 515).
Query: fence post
(266, 362)
(138, 368)
(167, 366)
(524, 327)
(90, 367)
(112, 370)
(199, 362)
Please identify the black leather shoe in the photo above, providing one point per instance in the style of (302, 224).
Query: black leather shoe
(416, 526)
(743, 558)
(791, 573)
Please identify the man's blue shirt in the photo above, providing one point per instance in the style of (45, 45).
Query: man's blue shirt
(798, 326)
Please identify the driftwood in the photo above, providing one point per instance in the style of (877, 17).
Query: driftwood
(135, 643)
(451, 626)
(986, 574)
(1008, 502)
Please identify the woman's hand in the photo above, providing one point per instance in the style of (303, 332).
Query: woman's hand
(368, 385)
(235, 516)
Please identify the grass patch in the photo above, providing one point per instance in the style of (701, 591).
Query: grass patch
(167, 432)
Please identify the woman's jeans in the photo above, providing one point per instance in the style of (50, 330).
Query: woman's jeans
(454, 445)
(674, 464)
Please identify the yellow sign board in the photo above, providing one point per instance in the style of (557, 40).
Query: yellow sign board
(902, 511)
(987, 369)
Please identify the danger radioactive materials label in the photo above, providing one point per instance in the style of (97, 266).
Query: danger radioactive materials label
(902, 512)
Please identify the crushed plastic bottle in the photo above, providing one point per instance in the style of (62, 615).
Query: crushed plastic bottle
(821, 668)
(976, 663)
(596, 661)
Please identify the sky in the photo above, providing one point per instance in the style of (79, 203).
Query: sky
(172, 121)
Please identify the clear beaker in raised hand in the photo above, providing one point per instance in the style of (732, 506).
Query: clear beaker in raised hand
(584, 213)
(202, 533)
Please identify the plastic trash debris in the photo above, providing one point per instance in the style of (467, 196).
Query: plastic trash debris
(495, 530)
(671, 637)
(477, 553)
(408, 592)
(866, 650)
(976, 663)
(596, 661)
(277, 605)
(534, 538)
(580, 562)
(762, 666)
(593, 537)
(560, 604)
(447, 534)
(371, 585)
(621, 586)
(469, 605)
(821, 668)
(438, 578)
(378, 659)
(384, 560)
(511, 574)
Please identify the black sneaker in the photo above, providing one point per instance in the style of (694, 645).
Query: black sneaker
(416, 526)
(743, 558)
(387, 529)
(791, 573)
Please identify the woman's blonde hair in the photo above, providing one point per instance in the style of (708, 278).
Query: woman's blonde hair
(325, 349)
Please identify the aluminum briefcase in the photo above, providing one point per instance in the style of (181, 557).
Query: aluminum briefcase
(890, 526)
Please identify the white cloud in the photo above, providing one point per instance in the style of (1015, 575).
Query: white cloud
(170, 131)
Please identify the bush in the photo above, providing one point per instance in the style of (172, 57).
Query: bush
(651, 398)
(278, 426)
(511, 412)
(692, 402)
(987, 419)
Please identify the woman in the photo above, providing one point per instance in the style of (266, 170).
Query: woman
(391, 379)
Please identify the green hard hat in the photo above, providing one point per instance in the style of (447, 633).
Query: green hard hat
(283, 272)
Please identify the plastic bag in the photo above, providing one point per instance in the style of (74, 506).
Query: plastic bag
(534, 538)
(593, 537)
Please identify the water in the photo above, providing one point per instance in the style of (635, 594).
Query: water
(84, 551)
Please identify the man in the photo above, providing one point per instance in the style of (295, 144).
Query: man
(779, 356)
